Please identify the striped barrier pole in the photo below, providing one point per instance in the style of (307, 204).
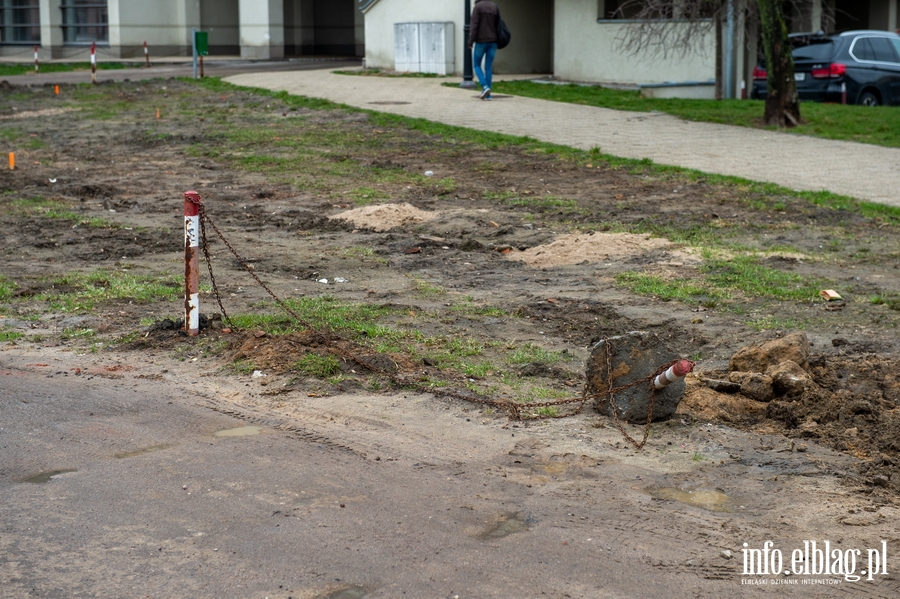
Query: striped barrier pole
(93, 62)
(676, 371)
(146, 54)
(843, 93)
(191, 263)
(36, 64)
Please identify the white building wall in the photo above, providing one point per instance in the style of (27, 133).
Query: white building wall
(164, 24)
(583, 48)
(381, 17)
(262, 29)
(588, 50)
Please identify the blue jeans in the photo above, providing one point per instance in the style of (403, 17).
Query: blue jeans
(484, 52)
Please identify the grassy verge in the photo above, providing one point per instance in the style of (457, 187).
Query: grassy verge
(9, 70)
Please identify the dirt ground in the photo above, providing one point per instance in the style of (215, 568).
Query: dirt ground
(496, 246)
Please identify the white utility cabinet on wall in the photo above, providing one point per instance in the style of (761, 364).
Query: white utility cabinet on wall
(424, 48)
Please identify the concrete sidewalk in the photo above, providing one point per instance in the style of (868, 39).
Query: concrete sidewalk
(798, 162)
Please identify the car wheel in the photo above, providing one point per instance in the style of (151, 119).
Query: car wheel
(868, 99)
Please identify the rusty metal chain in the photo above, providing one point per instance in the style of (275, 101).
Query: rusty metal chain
(512, 408)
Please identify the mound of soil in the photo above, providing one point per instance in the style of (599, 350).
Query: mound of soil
(592, 247)
(384, 217)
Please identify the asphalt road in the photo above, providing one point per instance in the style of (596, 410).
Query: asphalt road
(153, 504)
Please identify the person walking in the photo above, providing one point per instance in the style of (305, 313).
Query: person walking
(483, 37)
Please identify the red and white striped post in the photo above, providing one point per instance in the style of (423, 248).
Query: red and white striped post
(676, 371)
(146, 54)
(36, 64)
(843, 93)
(191, 263)
(93, 62)
(743, 90)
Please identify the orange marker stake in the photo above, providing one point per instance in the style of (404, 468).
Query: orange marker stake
(12, 161)
(56, 89)
(157, 114)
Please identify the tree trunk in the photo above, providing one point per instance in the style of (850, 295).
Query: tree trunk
(782, 102)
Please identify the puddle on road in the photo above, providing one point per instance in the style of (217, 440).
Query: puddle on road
(715, 501)
(354, 592)
(137, 452)
(45, 477)
(241, 431)
(506, 525)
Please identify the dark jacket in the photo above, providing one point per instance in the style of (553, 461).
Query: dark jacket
(484, 23)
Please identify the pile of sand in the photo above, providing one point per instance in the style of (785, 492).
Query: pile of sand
(593, 247)
(383, 217)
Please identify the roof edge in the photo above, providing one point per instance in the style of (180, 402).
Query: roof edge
(365, 5)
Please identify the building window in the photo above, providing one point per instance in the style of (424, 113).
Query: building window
(85, 21)
(656, 10)
(20, 22)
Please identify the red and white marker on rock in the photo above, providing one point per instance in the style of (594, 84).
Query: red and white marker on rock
(191, 263)
(678, 370)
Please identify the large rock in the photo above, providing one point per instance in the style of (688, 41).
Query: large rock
(789, 379)
(634, 356)
(754, 385)
(759, 357)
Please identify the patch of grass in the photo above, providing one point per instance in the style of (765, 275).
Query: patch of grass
(77, 333)
(469, 307)
(7, 288)
(697, 457)
(363, 196)
(892, 301)
(538, 393)
(530, 353)
(461, 346)
(81, 292)
(318, 365)
(23, 139)
(321, 312)
(543, 202)
(10, 70)
(772, 323)
(480, 369)
(243, 366)
(46, 208)
(6, 335)
(426, 289)
(746, 274)
(683, 290)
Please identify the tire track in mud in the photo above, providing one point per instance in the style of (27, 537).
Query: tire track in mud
(278, 423)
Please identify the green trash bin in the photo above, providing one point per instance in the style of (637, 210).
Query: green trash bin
(201, 42)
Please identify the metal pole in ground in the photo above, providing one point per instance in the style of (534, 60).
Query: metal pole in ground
(93, 62)
(467, 82)
(191, 263)
(194, 50)
(36, 66)
(146, 54)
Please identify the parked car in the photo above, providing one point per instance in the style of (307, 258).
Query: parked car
(866, 62)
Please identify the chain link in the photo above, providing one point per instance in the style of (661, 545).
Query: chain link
(512, 408)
